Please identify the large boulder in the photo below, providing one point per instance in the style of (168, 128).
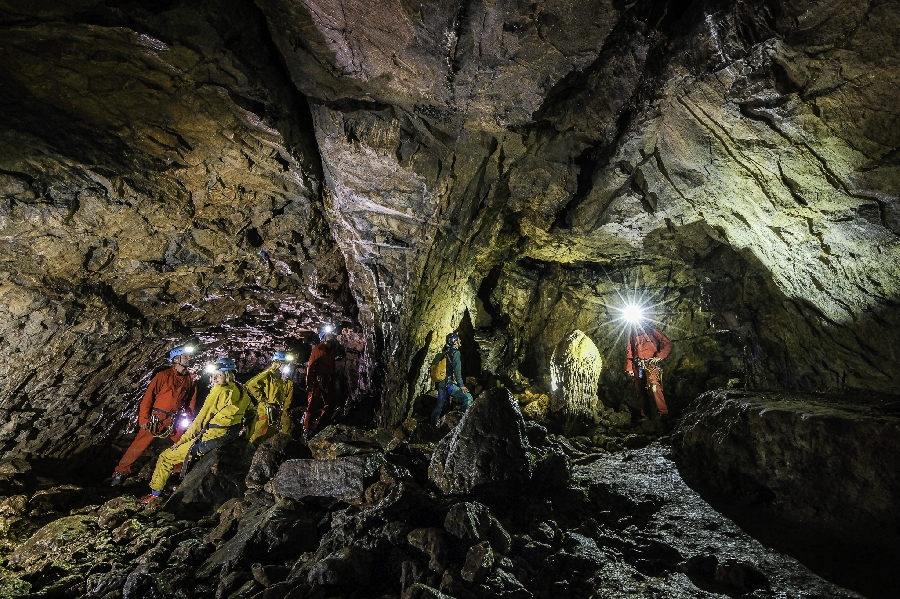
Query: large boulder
(827, 463)
(280, 532)
(341, 478)
(269, 456)
(340, 440)
(214, 479)
(488, 447)
(58, 541)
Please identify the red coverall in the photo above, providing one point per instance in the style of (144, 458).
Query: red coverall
(167, 394)
(320, 384)
(647, 380)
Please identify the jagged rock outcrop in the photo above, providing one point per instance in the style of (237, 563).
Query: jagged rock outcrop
(826, 463)
(212, 480)
(488, 448)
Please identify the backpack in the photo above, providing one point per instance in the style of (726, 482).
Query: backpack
(439, 368)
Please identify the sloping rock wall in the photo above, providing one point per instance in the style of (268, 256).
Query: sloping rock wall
(822, 463)
(159, 183)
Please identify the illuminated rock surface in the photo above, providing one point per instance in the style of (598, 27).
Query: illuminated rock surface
(238, 173)
(575, 367)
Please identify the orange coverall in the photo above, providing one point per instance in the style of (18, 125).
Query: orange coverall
(647, 376)
(167, 393)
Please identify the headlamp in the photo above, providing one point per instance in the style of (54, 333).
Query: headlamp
(189, 349)
(211, 368)
(184, 422)
(633, 313)
(289, 358)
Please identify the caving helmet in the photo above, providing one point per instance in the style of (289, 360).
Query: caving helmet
(282, 356)
(452, 338)
(181, 349)
(221, 365)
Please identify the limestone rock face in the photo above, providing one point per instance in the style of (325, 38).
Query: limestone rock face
(825, 464)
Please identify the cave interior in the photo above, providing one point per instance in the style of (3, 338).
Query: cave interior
(239, 174)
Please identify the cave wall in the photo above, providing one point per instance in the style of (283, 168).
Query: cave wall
(247, 171)
(159, 184)
(762, 134)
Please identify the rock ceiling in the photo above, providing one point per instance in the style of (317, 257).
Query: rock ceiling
(241, 173)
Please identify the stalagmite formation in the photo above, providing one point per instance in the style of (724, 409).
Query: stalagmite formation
(575, 371)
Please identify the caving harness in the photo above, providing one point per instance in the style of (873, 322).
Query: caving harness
(155, 424)
(273, 412)
(653, 370)
(199, 447)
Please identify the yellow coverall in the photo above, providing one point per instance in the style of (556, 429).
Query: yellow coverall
(270, 391)
(224, 406)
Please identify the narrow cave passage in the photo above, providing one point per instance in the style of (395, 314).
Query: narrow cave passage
(238, 175)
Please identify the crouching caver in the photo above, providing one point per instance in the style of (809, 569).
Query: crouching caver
(219, 422)
(452, 385)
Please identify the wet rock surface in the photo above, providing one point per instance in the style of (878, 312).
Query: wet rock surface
(624, 524)
(821, 470)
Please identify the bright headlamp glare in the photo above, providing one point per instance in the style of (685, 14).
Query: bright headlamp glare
(633, 313)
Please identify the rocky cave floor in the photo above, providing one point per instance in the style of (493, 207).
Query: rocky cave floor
(495, 506)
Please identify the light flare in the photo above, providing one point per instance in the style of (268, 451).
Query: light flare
(633, 313)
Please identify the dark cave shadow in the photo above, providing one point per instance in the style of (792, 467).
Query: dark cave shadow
(865, 563)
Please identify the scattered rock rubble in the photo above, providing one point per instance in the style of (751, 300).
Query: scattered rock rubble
(375, 514)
